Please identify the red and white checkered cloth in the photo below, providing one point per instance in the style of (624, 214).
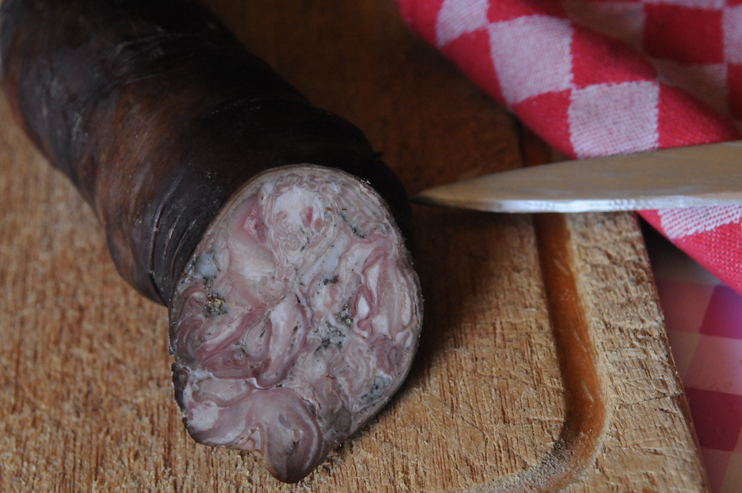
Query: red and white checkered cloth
(704, 322)
(604, 77)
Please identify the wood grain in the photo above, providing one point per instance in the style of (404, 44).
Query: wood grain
(493, 400)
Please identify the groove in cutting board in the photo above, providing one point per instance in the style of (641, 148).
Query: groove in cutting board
(587, 412)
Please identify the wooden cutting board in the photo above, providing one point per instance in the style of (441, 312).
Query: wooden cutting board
(543, 365)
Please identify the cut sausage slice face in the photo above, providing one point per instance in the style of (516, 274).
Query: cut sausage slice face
(297, 319)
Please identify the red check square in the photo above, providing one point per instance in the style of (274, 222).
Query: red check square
(505, 10)
(684, 304)
(684, 120)
(717, 417)
(734, 84)
(545, 115)
(702, 40)
(473, 52)
(724, 314)
(597, 59)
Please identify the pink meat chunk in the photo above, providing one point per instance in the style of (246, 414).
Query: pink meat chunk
(297, 318)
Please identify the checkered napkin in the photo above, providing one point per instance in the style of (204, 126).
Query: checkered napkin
(595, 78)
(704, 323)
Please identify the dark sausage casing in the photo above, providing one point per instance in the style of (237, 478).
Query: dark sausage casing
(269, 227)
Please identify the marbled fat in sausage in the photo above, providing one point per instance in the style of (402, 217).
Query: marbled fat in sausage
(270, 228)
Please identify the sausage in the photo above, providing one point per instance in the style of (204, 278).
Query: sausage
(276, 236)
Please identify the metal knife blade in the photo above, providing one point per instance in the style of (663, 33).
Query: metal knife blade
(683, 177)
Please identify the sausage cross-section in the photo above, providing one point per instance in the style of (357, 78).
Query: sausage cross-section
(270, 228)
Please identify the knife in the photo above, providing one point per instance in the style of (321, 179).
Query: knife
(703, 175)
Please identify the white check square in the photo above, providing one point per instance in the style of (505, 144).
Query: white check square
(732, 22)
(532, 56)
(607, 119)
(458, 17)
(679, 223)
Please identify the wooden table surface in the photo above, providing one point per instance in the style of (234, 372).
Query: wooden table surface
(543, 365)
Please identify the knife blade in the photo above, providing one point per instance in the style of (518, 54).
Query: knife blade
(693, 176)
